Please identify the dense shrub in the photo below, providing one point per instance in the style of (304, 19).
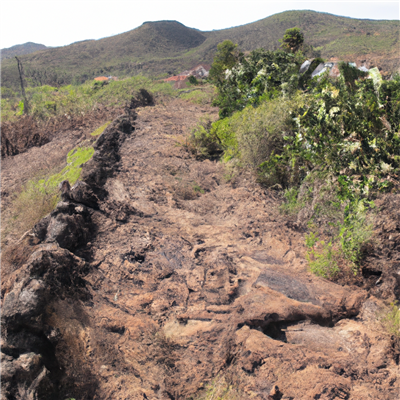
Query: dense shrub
(208, 145)
(262, 75)
(352, 133)
(332, 144)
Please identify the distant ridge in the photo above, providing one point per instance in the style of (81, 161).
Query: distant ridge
(161, 21)
(21, 49)
(82, 41)
(169, 47)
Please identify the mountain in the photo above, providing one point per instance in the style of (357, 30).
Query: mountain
(169, 47)
(21, 49)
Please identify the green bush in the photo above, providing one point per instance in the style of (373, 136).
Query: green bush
(348, 127)
(391, 320)
(340, 248)
(21, 108)
(260, 131)
(7, 93)
(292, 40)
(333, 144)
(355, 232)
(352, 134)
(261, 76)
(323, 257)
(204, 140)
(7, 110)
(193, 80)
(291, 204)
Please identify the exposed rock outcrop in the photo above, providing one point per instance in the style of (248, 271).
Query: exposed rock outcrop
(30, 363)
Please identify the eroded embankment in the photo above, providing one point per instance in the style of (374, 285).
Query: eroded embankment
(158, 273)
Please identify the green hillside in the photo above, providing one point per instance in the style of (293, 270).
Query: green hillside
(169, 47)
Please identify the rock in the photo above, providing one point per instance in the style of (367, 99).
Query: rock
(24, 305)
(64, 188)
(68, 225)
(69, 231)
(82, 193)
(40, 228)
(105, 159)
(142, 99)
(275, 394)
(52, 274)
(29, 339)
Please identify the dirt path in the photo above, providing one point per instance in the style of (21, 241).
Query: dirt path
(193, 276)
(218, 275)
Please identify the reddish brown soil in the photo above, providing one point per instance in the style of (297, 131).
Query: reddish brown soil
(187, 275)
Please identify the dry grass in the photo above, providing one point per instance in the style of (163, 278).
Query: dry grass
(25, 132)
(185, 191)
(220, 389)
(26, 208)
(16, 254)
(390, 319)
(32, 204)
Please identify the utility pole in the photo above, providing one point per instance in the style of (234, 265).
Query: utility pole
(22, 78)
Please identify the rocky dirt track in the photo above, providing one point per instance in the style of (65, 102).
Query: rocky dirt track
(162, 273)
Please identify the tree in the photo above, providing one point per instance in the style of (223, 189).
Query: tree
(292, 40)
(22, 79)
(226, 57)
(193, 80)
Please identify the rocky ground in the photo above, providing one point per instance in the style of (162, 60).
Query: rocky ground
(161, 272)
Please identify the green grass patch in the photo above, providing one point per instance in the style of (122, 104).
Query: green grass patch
(220, 389)
(198, 96)
(390, 319)
(322, 257)
(33, 203)
(75, 159)
(197, 188)
(343, 248)
(291, 205)
(101, 129)
(39, 196)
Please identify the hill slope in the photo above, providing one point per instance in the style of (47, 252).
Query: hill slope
(169, 46)
(21, 49)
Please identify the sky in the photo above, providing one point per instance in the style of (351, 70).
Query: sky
(60, 22)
